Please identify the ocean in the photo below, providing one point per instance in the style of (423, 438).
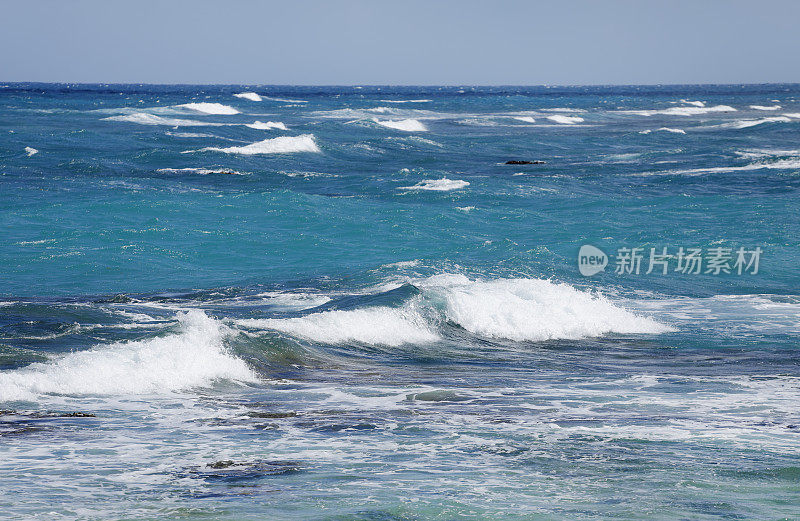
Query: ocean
(342, 303)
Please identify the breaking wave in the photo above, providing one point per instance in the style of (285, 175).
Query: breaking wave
(252, 96)
(193, 357)
(664, 129)
(210, 108)
(407, 125)
(278, 145)
(565, 120)
(512, 309)
(438, 185)
(269, 125)
(143, 118)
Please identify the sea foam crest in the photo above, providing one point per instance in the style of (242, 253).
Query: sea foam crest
(143, 118)
(406, 125)
(437, 185)
(195, 356)
(252, 96)
(210, 108)
(514, 309)
(565, 120)
(278, 145)
(269, 125)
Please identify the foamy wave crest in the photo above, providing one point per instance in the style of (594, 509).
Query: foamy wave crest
(763, 107)
(512, 309)
(193, 357)
(664, 129)
(438, 185)
(746, 123)
(201, 171)
(526, 119)
(406, 100)
(142, 118)
(681, 111)
(210, 108)
(278, 145)
(252, 96)
(565, 120)
(406, 125)
(532, 309)
(375, 325)
(30, 151)
(269, 125)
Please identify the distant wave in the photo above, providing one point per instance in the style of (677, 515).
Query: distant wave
(526, 119)
(406, 125)
(252, 96)
(762, 107)
(201, 171)
(694, 103)
(278, 145)
(284, 100)
(437, 185)
(565, 120)
(143, 118)
(681, 111)
(746, 123)
(194, 356)
(31, 151)
(405, 101)
(210, 108)
(664, 129)
(513, 309)
(259, 125)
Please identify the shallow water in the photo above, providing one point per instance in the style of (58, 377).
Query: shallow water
(354, 309)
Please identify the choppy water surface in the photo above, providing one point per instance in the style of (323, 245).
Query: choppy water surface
(341, 303)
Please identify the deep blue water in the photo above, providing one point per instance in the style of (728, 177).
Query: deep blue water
(354, 309)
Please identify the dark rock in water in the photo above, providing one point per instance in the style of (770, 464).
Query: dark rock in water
(221, 464)
(513, 162)
(233, 471)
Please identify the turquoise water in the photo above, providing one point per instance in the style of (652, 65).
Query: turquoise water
(342, 303)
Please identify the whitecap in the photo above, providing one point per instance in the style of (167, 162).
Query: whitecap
(278, 145)
(565, 120)
(201, 171)
(31, 151)
(210, 108)
(143, 118)
(269, 125)
(193, 357)
(252, 96)
(526, 119)
(406, 125)
(763, 107)
(406, 101)
(664, 129)
(437, 185)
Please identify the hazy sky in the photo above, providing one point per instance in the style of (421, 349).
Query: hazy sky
(401, 42)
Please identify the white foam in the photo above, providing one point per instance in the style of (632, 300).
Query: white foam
(202, 171)
(374, 325)
(260, 125)
(565, 120)
(31, 151)
(439, 185)
(278, 145)
(514, 309)
(193, 357)
(252, 96)
(210, 108)
(532, 309)
(406, 125)
(406, 101)
(681, 111)
(143, 118)
(526, 119)
(746, 123)
(664, 129)
(693, 103)
(792, 115)
(763, 107)
(284, 100)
